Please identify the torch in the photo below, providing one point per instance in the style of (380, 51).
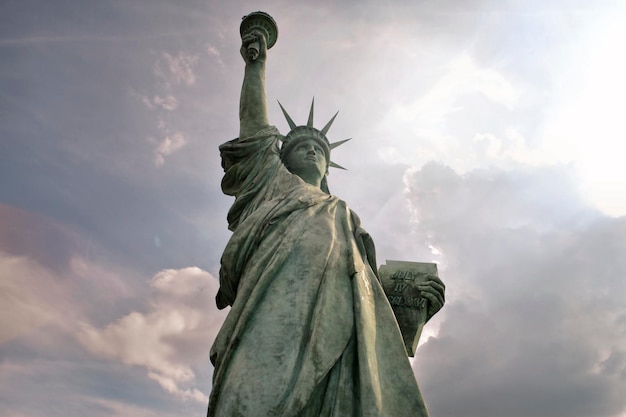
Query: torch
(259, 21)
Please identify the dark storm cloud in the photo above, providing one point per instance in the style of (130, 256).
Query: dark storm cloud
(535, 321)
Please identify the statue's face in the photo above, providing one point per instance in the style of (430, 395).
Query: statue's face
(307, 160)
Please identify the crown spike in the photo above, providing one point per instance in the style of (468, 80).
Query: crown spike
(334, 165)
(292, 125)
(338, 143)
(330, 122)
(309, 123)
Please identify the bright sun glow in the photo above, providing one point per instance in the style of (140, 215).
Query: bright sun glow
(591, 130)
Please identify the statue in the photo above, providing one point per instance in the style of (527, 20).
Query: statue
(310, 331)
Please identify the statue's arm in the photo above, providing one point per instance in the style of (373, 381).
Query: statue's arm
(253, 100)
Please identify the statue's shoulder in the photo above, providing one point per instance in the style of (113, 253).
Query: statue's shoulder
(263, 142)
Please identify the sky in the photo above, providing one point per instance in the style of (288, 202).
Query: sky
(487, 136)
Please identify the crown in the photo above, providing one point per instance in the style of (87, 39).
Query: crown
(298, 133)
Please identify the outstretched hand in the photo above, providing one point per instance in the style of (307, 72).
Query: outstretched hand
(433, 290)
(254, 47)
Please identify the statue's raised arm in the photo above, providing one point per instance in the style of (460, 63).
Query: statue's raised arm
(253, 100)
(258, 33)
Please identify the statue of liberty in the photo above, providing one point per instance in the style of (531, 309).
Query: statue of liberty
(310, 331)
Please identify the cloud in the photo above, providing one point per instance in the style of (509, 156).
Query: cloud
(112, 408)
(48, 275)
(168, 146)
(175, 70)
(214, 52)
(50, 283)
(76, 384)
(171, 71)
(30, 297)
(176, 331)
(169, 102)
(459, 97)
(535, 323)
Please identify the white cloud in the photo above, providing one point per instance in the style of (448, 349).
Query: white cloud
(213, 51)
(168, 146)
(33, 295)
(30, 296)
(176, 69)
(175, 333)
(438, 124)
(507, 151)
(170, 385)
(167, 103)
(172, 71)
(465, 76)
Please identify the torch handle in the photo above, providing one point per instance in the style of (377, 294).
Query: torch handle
(253, 50)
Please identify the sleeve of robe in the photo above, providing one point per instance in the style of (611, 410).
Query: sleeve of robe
(249, 165)
(253, 174)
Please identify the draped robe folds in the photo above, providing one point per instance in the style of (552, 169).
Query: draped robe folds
(310, 331)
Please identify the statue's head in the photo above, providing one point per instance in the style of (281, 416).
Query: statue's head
(301, 135)
(306, 150)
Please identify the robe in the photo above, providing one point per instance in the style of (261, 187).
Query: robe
(310, 331)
